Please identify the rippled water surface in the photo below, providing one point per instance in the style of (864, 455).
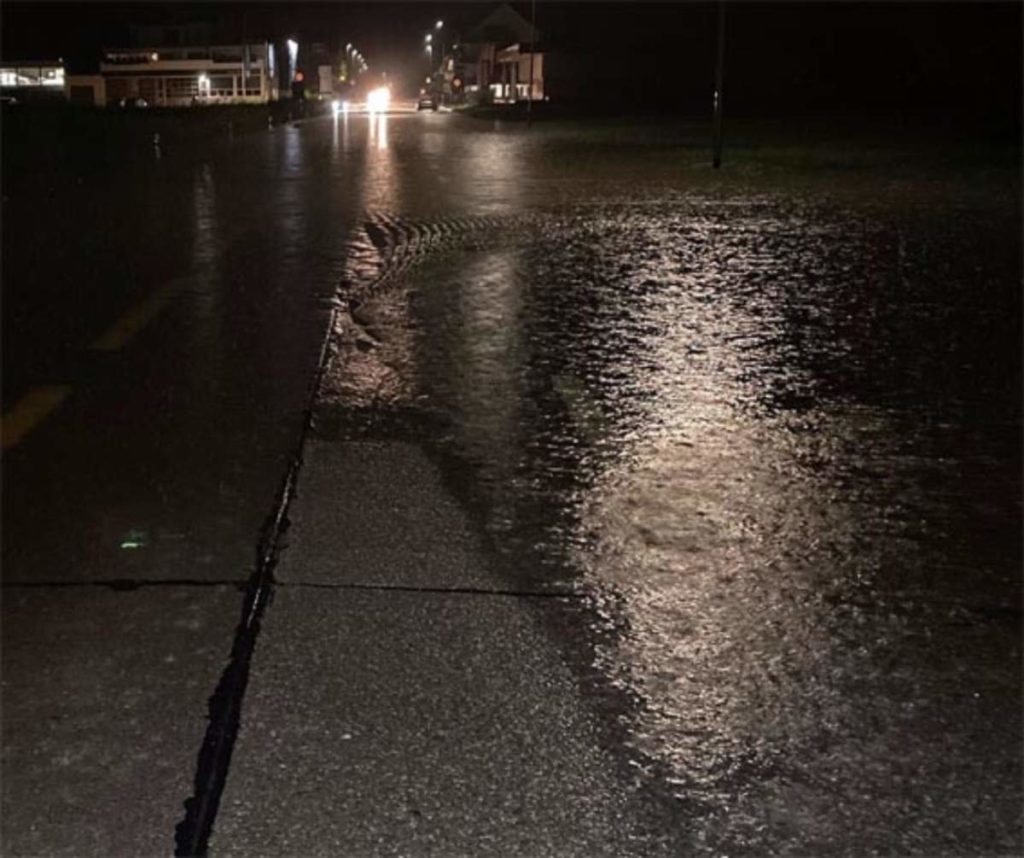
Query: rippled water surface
(773, 437)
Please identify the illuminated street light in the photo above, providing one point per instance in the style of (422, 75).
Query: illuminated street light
(429, 38)
(440, 57)
(293, 55)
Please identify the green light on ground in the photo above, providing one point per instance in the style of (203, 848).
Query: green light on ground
(134, 539)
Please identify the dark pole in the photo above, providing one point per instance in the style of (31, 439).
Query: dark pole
(533, 39)
(716, 161)
(245, 57)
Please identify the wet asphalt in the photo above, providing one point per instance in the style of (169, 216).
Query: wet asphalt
(639, 510)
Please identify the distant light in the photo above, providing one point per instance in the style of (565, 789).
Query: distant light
(134, 539)
(439, 25)
(378, 99)
(336, 107)
(429, 37)
(154, 57)
(344, 107)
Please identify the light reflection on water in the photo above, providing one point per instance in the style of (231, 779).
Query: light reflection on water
(710, 418)
(381, 185)
(205, 238)
(772, 438)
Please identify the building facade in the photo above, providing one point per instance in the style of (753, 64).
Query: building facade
(519, 75)
(182, 76)
(499, 61)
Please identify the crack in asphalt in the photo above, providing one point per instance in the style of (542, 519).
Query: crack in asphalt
(192, 834)
(446, 591)
(388, 247)
(126, 584)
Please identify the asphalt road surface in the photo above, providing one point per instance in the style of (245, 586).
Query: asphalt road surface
(416, 485)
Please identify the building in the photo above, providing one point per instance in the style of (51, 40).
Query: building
(499, 60)
(514, 75)
(183, 76)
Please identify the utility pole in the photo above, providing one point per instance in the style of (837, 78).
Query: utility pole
(533, 45)
(245, 57)
(716, 159)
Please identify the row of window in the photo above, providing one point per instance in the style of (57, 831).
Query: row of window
(179, 88)
(32, 76)
(217, 55)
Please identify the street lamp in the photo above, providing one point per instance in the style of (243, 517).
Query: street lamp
(349, 71)
(440, 57)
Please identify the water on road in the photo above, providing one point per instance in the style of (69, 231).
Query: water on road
(762, 429)
(771, 435)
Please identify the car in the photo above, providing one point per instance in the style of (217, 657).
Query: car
(426, 102)
(133, 102)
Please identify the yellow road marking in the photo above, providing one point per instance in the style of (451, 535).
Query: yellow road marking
(135, 319)
(30, 410)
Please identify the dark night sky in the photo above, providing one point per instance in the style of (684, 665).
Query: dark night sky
(957, 58)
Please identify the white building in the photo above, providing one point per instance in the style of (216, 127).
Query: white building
(182, 76)
(499, 60)
(515, 68)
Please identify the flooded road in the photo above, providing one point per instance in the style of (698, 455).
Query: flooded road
(773, 438)
(761, 428)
